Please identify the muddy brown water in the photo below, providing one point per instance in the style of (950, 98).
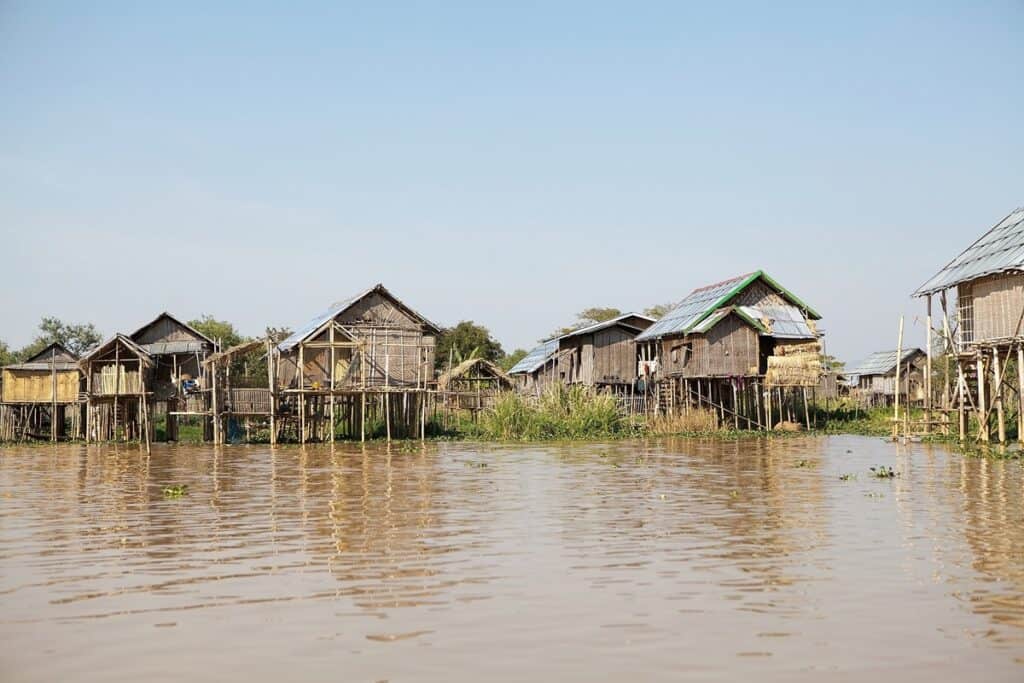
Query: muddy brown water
(627, 561)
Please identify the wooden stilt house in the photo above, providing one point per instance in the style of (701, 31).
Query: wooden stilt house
(371, 353)
(177, 380)
(603, 355)
(117, 396)
(874, 383)
(985, 283)
(746, 348)
(41, 397)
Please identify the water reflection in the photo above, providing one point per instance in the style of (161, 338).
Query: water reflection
(698, 556)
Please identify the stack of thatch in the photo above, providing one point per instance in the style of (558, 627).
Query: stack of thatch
(795, 364)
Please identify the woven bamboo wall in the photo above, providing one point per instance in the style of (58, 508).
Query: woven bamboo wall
(998, 305)
(36, 386)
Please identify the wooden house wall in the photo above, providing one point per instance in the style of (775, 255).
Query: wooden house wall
(398, 350)
(166, 330)
(615, 356)
(759, 294)
(998, 302)
(729, 349)
(36, 386)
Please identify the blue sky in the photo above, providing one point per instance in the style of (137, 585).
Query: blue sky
(510, 165)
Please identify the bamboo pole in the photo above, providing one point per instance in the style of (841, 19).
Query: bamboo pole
(983, 432)
(302, 395)
(332, 382)
(997, 397)
(1020, 395)
(896, 400)
(270, 385)
(928, 367)
(53, 394)
(961, 408)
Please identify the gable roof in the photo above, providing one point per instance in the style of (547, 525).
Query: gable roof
(340, 307)
(46, 355)
(535, 358)
(617, 321)
(703, 301)
(882, 362)
(159, 348)
(128, 343)
(999, 250)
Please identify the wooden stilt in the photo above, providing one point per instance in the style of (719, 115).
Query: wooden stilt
(983, 431)
(896, 398)
(997, 396)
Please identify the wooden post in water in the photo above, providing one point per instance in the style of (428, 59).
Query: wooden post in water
(961, 408)
(997, 396)
(1020, 395)
(982, 407)
(928, 367)
(896, 398)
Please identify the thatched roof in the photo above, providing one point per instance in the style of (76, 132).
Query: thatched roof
(228, 354)
(475, 368)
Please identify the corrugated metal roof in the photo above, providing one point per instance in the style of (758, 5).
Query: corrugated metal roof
(998, 250)
(692, 313)
(36, 366)
(535, 358)
(596, 327)
(692, 309)
(173, 347)
(881, 362)
(336, 308)
(786, 322)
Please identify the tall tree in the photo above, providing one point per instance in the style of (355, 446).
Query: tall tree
(77, 338)
(464, 341)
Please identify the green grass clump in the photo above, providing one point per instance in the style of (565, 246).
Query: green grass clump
(883, 472)
(561, 412)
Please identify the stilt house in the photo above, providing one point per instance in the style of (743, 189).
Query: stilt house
(472, 385)
(873, 381)
(41, 395)
(371, 343)
(603, 355)
(117, 405)
(746, 348)
(987, 280)
(177, 379)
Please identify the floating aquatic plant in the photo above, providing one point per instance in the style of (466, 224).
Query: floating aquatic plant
(884, 472)
(849, 476)
(176, 491)
(804, 463)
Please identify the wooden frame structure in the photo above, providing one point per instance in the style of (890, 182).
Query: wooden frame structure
(983, 337)
(117, 398)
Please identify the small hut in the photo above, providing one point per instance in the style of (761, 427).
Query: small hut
(117, 396)
(873, 381)
(472, 385)
(987, 280)
(746, 348)
(368, 352)
(41, 396)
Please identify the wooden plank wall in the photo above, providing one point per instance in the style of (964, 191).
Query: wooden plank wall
(36, 386)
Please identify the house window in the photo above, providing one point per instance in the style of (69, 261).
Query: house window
(965, 314)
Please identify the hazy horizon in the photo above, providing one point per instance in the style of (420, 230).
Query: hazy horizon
(510, 166)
